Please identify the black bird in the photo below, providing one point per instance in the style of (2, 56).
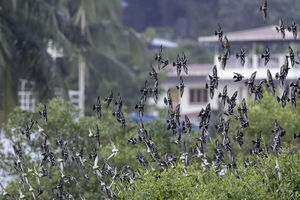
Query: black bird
(154, 91)
(226, 46)
(188, 124)
(27, 131)
(241, 55)
(293, 29)
(43, 113)
(224, 97)
(109, 98)
(257, 145)
(153, 74)
(270, 83)
(250, 82)
(293, 96)
(223, 59)
(178, 139)
(161, 62)
(297, 135)
(237, 77)
(266, 56)
(232, 103)
(140, 107)
(181, 86)
(177, 115)
(219, 33)
(264, 9)
(284, 98)
(243, 108)
(132, 140)
(278, 131)
(181, 62)
(145, 91)
(283, 72)
(292, 56)
(281, 28)
(213, 82)
(168, 99)
(239, 137)
(97, 107)
(258, 90)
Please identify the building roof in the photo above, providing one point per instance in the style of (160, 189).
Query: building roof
(260, 34)
(193, 70)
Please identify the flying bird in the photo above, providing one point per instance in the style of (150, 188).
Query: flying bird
(181, 86)
(161, 61)
(97, 107)
(237, 77)
(43, 113)
(293, 29)
(266, 56)
(109, 98)
(264, 9)
(241, 55)
(219, 33)
(281, 28)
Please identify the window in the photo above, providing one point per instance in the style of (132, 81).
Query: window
(198, 95)
(26, 97)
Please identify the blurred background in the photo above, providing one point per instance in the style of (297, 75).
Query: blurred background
(79, 49)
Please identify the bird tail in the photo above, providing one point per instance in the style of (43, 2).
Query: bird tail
(277, 75)
(237, 55)
(277, 29)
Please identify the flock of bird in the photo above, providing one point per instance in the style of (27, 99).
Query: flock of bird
(112, 180)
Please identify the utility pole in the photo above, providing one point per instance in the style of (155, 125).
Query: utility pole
(81, 84)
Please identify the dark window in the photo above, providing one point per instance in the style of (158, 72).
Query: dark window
(198, 95)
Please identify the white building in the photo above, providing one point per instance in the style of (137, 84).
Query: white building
(196, 96)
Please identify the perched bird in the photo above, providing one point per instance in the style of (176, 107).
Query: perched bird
(284, 98)
(109, 98)
(161, 62)
(219, 33)
(97, 107)
(270, 83)
(237, 77)
(266, 56)
(264, 9)
(293, 28)
(43, 113)
(241, 55)
(281, 28)
(181, 86)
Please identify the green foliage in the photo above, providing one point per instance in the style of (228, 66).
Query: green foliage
(258, 182)
(262, 116)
